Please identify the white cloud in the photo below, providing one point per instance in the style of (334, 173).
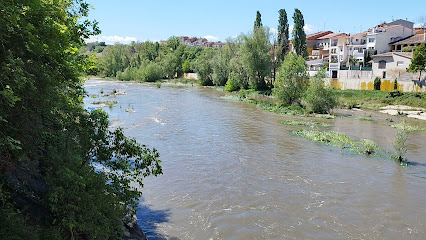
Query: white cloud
(308, 28)
(290, 29)
(212, 38)
(273, 31)
(112, 39)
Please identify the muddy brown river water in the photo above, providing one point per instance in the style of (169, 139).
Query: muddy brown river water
(233, 171)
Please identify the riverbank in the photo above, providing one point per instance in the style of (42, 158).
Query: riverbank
(232, 165)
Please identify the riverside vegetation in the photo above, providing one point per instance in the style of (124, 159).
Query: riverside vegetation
(252, 68)
(63, 173)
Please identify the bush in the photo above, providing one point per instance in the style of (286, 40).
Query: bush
(319, 99)
(151, 72)
(186, 66)
(377, 83)
(291, 80)
(233, 83)
(395, 85)
(400, 144)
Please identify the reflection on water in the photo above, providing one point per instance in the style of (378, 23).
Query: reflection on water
(232, 171)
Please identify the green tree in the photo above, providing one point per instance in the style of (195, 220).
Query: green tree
(220, 65)
(203, 66)
(299, 35)
(283, 34)
(418, 62)
(237, 78)
(258, 21)
(173, 43)
(64, 174)
(255, 57)
(319, 99)
(291, 80)
(186, 66)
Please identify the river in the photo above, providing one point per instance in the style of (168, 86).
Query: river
(233, 171)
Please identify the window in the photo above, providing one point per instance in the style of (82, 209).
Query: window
(382, 64)
(356, 40)
(399, 63)
(371, 40)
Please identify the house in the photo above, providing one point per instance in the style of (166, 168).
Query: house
(356, 46)
(336, 49)
(412, 41)
(379, 37)
(311, 44)
(391, 65)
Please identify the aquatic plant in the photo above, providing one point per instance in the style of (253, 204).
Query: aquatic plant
(304, 123)
(337, 139)
(400, 143)
(408, 128)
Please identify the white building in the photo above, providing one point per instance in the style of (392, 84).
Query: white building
(336, 48)
(356, 46)
(379, 37)
(391, 65)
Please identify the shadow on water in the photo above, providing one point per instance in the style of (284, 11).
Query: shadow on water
(148, 220)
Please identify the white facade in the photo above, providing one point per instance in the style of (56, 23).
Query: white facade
(391, 65)
(379, 38)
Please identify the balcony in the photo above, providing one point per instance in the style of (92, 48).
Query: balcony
(334, 66)
(363, 42)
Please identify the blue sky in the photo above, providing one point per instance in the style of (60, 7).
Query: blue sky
(141, 20)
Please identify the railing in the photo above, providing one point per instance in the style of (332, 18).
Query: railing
(334, 65)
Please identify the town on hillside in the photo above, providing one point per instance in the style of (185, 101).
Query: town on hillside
(194, 41)
(383, 51)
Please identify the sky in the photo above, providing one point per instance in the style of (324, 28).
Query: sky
(154, 20)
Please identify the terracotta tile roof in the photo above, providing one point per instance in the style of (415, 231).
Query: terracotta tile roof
(333, 35)
(419, 38)
(317, 35)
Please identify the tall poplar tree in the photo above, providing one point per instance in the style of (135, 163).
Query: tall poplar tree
(299, 35)
(283, 44)
(258, 22)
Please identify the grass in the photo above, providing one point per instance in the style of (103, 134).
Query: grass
(369, 99)
(341, 140)
(409, 128)
(304, 123)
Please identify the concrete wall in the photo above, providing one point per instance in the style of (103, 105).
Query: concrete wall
(368, 84)
(190, 76)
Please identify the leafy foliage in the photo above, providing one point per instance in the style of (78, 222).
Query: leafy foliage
(299, 35)
(377, 82)
(258, 21)
(400, 143)
(255, 57)
(418, 62)
(291, 80)
(64, 174)
(319, 99)
(283, 34)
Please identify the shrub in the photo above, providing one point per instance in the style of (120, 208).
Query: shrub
(291, 80)
(151, 72)
(377, 83)
(319, 99)
(395, 85)
(186, 66)
(233, 83)
(400, 143)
